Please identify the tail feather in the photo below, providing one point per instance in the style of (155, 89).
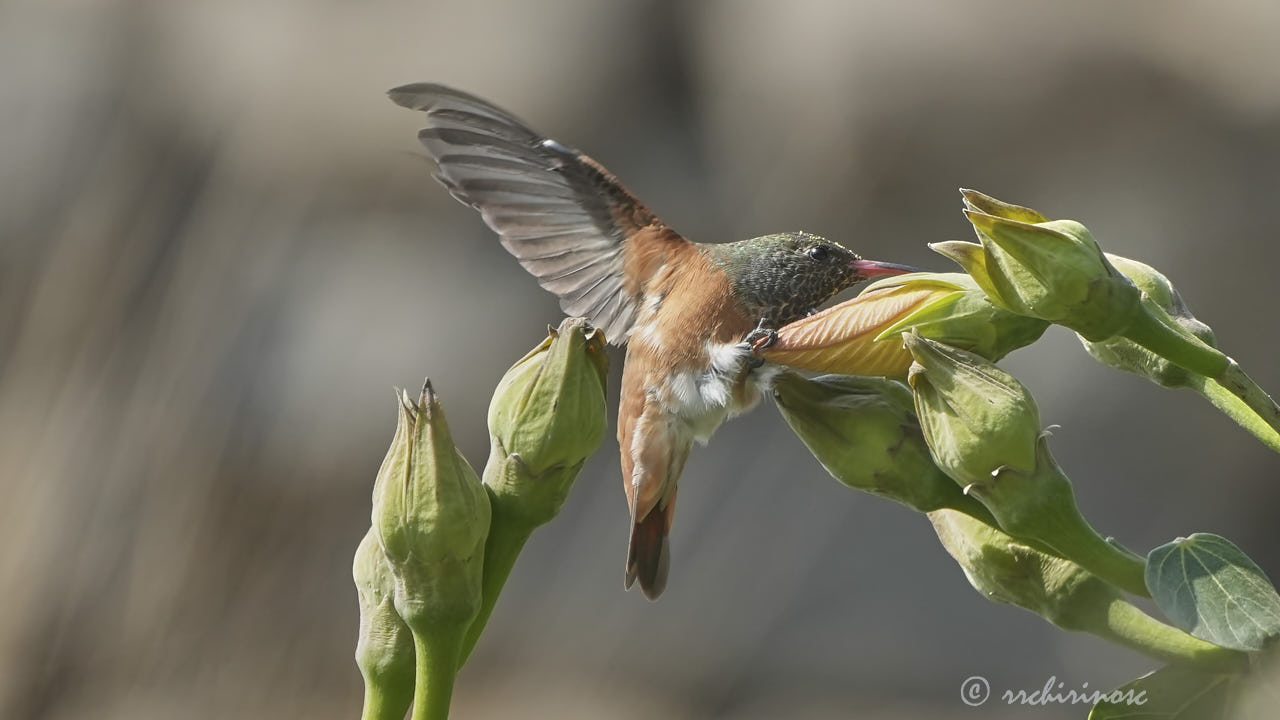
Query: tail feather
(648, 555)
(655, 444)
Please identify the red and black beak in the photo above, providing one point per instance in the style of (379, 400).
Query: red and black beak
(871, 268)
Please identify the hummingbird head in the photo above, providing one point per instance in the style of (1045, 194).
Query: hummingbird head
(783, 277)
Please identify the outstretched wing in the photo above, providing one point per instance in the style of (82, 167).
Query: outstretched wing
(568, 221)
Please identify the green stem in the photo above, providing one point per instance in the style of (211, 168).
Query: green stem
(1238, 410)
(1153, 329)
(385, 656)
(1002, 568)
(1096, 609)
(1071, 537)
(437, 655)
(1041, 508)
(1255, 398)
(1151, 332)
(383, 701)
(507, 535)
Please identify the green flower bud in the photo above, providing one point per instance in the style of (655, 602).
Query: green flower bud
(431, 516)
(384, 650)
(983, 429)
(976, 418)
(864, 432)
(1055, 271)
(963, 316)
(1124, 354)
(1048, 269)
(549, 408)
(1008, 571)
(546, 418)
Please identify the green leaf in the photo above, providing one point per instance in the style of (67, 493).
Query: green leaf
(1179, 693)
(1170, 693)
(1208, 587)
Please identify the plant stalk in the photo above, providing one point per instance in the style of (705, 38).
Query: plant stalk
(384, 703)
(1234, 380)
(507, 537)
(1151, 332)
(437, 655)
(1041, 509)
(1097, 610)
(1238, 410)
(1071, 537)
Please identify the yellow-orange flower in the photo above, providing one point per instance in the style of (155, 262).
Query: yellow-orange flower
(862, 336)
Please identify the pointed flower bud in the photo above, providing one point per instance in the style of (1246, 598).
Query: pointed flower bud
(1005, 570)
(431, 517)
(549, 408)
(983, 429)
(1055, 271)
(976, 417)
(384, 650)
(546, 418)
(1048, 269)
(864, 432)
(860, 336)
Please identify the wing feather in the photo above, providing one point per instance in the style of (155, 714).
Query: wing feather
(567, 220)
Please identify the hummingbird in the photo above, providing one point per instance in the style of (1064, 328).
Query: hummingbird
(692, 315)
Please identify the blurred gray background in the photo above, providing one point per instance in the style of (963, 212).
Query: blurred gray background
(220, 248)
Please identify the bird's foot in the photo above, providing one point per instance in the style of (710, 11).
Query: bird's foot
(761, 338)
(755, 341)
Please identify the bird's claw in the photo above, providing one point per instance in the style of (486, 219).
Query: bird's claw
(761, 338)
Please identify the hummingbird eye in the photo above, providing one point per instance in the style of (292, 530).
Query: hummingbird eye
(819, 252)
